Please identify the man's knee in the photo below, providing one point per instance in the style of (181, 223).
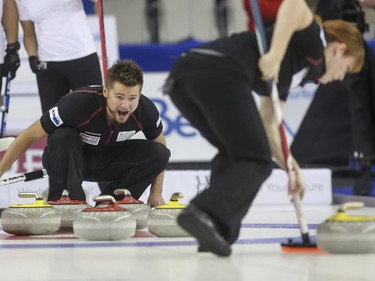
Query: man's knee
(63, 144)
(64, 137)
(162, 154)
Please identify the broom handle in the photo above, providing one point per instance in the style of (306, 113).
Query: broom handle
(24, 177)
(102, 37)
(5, 106)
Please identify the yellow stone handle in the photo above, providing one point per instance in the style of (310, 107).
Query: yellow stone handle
(351, 205)
(177, 195)
(30, 195)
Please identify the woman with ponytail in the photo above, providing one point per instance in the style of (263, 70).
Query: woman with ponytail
(212, 84)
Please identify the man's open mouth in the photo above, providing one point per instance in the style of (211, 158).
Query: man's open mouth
(122, 113)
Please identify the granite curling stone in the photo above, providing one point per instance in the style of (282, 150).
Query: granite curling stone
(162, 220)
(68, 208)
(136, 207)
(111, 222)
(344, 234)
(37, 218)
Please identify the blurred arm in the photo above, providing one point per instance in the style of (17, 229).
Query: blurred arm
(29, 38)
(21, 144)
(274, 139)
(10, 21)
(156, 190)
(293, 15)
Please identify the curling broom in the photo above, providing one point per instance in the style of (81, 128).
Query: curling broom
(306, 245)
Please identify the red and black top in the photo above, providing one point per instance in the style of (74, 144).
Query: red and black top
(302, 62)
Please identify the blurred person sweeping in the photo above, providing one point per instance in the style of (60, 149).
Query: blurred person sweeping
(211, 85)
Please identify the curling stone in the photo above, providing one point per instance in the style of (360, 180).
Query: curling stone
(136, 207)
(344, 234)
(67, 209)
(162, 220)
(111, 222)
(30, 219)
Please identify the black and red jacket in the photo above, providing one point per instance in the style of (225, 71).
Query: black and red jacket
(84, 110)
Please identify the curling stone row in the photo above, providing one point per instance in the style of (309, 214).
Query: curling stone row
(344, 234)
(42, 218)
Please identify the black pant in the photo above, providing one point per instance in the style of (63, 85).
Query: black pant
(220, 105)
(133, 165)
(62, 77)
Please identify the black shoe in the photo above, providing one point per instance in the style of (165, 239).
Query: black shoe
(200, 225)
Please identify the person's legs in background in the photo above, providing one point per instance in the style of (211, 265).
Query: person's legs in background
(82, 72)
